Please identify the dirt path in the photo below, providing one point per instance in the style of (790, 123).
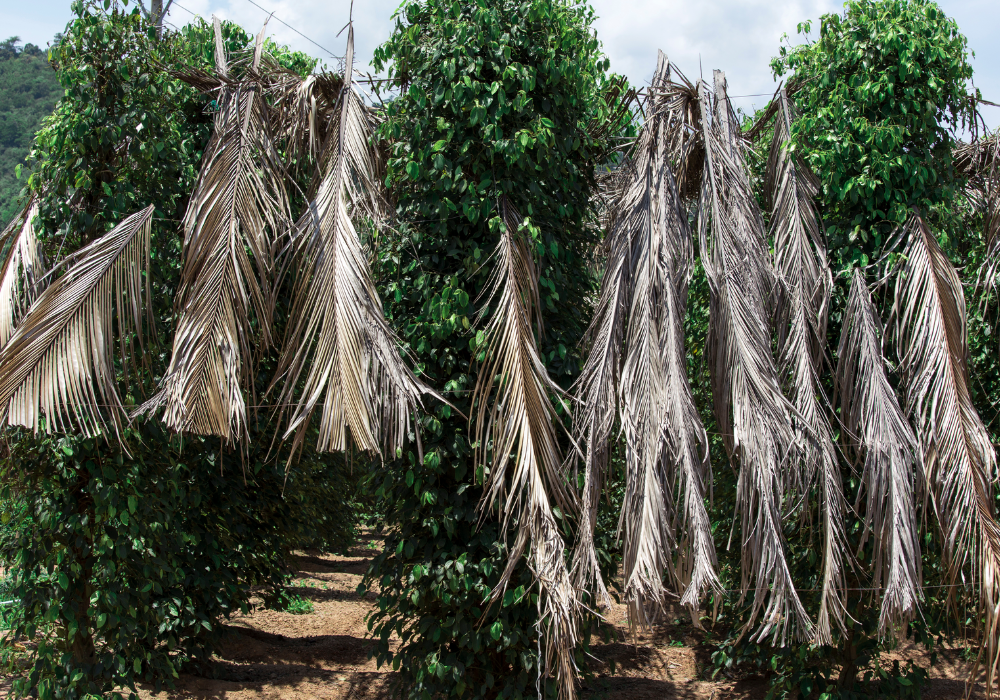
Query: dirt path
(324, 654)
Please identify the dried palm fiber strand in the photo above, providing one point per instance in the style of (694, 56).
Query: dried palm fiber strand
(754, 417)
(339, 350)
(520, 421)
(225, 301)
(304, 111)
(57, 372)
(880, 436)
(642, 305)
(980, 161)
(958, 459)
(800, 260)
(23, 268)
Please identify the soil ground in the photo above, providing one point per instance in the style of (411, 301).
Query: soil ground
(324, 654)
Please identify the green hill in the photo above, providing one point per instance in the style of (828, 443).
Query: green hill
(29, 89)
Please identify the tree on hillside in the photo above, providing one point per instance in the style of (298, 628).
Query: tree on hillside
(29, 89)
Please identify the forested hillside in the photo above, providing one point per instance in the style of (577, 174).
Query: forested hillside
(29, 90)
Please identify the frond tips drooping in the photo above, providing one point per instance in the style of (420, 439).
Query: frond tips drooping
(224, 299)
(753, 415)
(958, 458)
(366, 390)
(22, 270)
(803, 299)
(57, 372)
(519, 426)
(877, 431)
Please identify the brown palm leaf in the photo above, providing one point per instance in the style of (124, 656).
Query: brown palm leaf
(980, 161)
(959, 462)
(57, 371)
(22, 270)
(800, 259)
(520, 422)
(642, 307)
(339, 347)
(884, 441)
(224, 300)
(753, 415)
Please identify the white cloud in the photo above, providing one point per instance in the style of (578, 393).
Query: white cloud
(737, 36)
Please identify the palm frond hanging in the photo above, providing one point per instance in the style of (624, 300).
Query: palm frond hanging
(803, 299)
(339, 351)
(958, 458)
(882, 439)
(22, 270)
(57, 372)
(636, 370)
(224, 300)
(516, 434)
(753, 415)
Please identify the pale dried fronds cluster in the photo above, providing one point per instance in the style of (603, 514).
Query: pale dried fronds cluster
(770, 289)
(636, 376)
(515, 431)
(958, 459)
(878, 434)
(57, 372)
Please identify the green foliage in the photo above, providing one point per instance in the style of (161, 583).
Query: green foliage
(29, 90)
(495, 97)
(291, 603)
(878, 95)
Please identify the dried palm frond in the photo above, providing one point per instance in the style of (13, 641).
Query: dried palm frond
(339, 345)
(57, 371)
(980, 160)
(642, 305)
(305, 109)
(597, 407)
(884, 441)
(754, 417)
(521, 422)
(21, 272)
(224, 300)
(959, 463)
(647, 513)
(800, 259)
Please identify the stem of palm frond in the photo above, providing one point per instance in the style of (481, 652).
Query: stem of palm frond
(519, 425)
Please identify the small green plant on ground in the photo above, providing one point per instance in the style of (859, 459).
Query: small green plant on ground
(291, 603)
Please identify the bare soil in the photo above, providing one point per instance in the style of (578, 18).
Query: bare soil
(324, 654)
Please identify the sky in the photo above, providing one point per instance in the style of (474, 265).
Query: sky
(737, 36)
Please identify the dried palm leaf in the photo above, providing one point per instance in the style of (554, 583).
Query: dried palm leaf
(753, 415)
(57, 371)
(224, 300)
(959, 463)
(642, 305)
(21, 272)
(305, 109)
(884, 441)
(521, 422)
(339, 347)
(800, 259)
(980, 160)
